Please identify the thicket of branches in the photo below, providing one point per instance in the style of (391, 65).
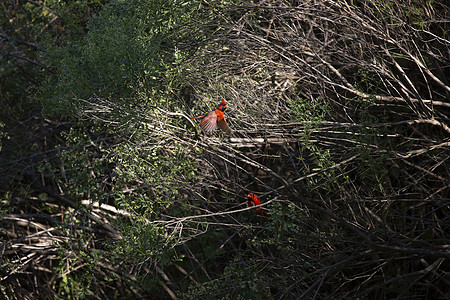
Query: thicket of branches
(339, 113)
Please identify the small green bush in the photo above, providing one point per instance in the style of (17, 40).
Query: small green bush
(127, 50)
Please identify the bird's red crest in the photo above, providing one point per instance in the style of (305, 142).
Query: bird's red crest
(222, 106)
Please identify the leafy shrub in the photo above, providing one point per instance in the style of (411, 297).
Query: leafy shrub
(127, 50)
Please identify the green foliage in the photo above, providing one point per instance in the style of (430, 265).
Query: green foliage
(5, 202)
(143, 242)
(3, 134)
(142, 179)
(311, 113)
(16, 75)
(159, 171)
(308, 111)
(372, 169)
(236, 282)
(366, 81)
(73, 271)
(128, 49)
(74, 282)
(32, 29)
(83, 166)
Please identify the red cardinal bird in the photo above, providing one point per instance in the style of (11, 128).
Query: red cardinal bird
(215, 118)
(254, 200)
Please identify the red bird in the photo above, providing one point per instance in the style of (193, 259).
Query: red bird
(254, 200)
(215, 118)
